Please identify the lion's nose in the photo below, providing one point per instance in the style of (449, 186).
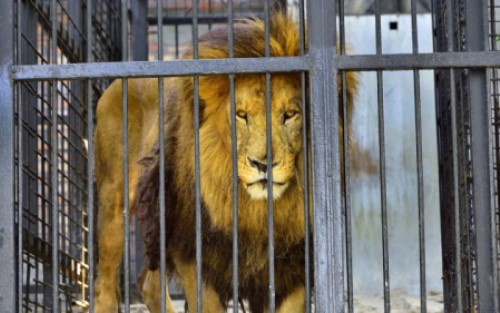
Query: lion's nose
(260, 165)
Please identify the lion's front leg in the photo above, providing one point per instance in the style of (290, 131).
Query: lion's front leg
(295, 302)
(210, 299)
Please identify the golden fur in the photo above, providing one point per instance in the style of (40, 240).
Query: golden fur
(143, 115)
(216, 176)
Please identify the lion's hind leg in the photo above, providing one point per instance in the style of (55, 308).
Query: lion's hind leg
(110, 238)
(109, 175)
(150, 285)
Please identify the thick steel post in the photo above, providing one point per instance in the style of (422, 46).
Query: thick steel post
(480, 118)
(7, 236)
(465, 166)
(450, 135)
(324, 121)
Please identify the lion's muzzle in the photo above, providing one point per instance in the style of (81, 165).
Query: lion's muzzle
(260, 165)
(257, 185)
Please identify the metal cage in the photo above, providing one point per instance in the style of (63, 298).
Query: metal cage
(58, 56)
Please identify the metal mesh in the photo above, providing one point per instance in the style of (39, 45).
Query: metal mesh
(37, 187)
(177, 19)
(36, 107)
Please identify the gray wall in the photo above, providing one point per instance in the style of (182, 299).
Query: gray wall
(401, 166)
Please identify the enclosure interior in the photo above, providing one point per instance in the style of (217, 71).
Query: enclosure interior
(393, 215)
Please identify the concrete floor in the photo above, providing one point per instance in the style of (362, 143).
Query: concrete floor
(400, 303)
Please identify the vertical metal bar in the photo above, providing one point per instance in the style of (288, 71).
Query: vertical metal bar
(90, 168)
(270, 207)
(347, 196)
(269, 154)
(266, 29)
(451, 47)
(480, 119)
(414, 26)
(176, 27)
(467, 258)
(20, 165)
(328, 254)
(378, 25)
(159, 13)
(20, 201)
(126, 206)
(420, 177)
(210, 12)
(269, 160)
(456, 184)
(448, 159)
(307, 228)
(456, 194)
(55, 165)
(163, 258)
(302, 28)
(126, 221)
(383, 192)
(234, 155)
(139, 31)
(199, 280)
(381, 136)
(347, 193)
(196, 100)
(161, 130)
(7, 235)
(305, 117)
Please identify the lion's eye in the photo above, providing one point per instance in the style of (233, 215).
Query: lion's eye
(242, 115)
(289, 114)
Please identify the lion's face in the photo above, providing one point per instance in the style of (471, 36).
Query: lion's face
(251, 132)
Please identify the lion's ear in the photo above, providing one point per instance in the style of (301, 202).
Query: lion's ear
(213, 91)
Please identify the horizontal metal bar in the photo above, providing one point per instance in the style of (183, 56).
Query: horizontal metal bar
(254, 65)
(418, 61)
(159, 68)
(186, 20)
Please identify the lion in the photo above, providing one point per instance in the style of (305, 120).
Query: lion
(287, 110)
